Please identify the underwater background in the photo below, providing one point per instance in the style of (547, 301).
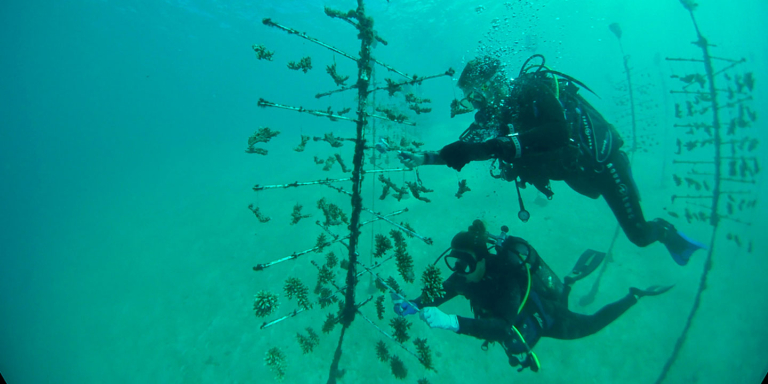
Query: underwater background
(127, 245)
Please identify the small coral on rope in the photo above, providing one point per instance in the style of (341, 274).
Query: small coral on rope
(433, 284)
(275, 360)
(381, 351)
(294, 287)
(398, 367)
(265, 303)
(309, 341)
(400, 328)
(404, 260)
(383, 244)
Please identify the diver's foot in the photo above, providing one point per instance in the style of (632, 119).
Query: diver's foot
(588, 263)
(681, 247)
(650, 291)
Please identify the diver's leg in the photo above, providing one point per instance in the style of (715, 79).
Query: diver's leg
(566, 293)
(620, 192)
(570, 325)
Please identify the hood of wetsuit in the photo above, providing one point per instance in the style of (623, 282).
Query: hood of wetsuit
(468, 248)
(478, 72)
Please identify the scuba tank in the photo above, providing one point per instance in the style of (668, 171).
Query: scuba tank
(544, 281)
(541, 280)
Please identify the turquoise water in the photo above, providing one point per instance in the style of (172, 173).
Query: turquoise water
(128, 248)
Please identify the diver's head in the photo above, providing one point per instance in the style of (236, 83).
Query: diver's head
(469, 252)
(478, 72)
(479, 83)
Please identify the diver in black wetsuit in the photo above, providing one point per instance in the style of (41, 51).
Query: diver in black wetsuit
(540, 129)
(515, 297)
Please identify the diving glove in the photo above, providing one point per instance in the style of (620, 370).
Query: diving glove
(411, 160)
(402, 307)
(436, 318)
(457, 155)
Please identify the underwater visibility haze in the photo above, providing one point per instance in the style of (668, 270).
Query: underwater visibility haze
(200, 191)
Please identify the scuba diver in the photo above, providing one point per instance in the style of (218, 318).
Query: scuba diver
(539, 129)
(515, 297)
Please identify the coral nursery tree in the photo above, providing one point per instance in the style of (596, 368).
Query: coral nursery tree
(716, 156)
(344, 306)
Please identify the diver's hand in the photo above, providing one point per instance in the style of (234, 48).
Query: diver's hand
(403, 308)
(456, 155)
(411, 160)
(436, 318)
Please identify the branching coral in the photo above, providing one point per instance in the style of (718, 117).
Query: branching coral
(417, 189)
(329, 323)
(403, 259)
(393, 284)
(398, 367)
(329, 162)
(433, 284)
(401, 192)
(333, 214)
(338, 79)
(400, 326)
(296, 216)
(309, 341)
(341, 163)
(303, 144)
(260, 216)
(382, 352)
(424, 353)
(383, 244)
(305, 64)
(262, 53)
(326, 297)
(275, 360)
(380, 307)
(263, 135)
(295, 288)
(265, 303)
(321, 243)
(462, 188)
(331, 260)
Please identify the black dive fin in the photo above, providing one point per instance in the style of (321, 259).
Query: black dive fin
(588, 263)
(650, 291)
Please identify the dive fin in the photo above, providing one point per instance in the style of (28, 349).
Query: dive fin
(588, 263)
(681, 247)
(650, 291)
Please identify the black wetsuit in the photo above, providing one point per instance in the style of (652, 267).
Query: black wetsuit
(496, 298)
(561, 138)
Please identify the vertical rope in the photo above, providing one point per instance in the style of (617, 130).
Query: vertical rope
(365, 26)
(714, 220)
(373, 179)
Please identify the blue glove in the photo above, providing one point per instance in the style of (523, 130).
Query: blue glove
(403, 308)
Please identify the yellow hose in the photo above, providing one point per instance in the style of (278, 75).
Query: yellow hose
(520, 309)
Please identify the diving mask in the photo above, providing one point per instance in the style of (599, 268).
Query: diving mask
(462, 261)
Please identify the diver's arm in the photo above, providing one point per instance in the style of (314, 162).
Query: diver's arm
(545, 129)
(413, 160)
(550, 134)
(433, 158)
(493, 329)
